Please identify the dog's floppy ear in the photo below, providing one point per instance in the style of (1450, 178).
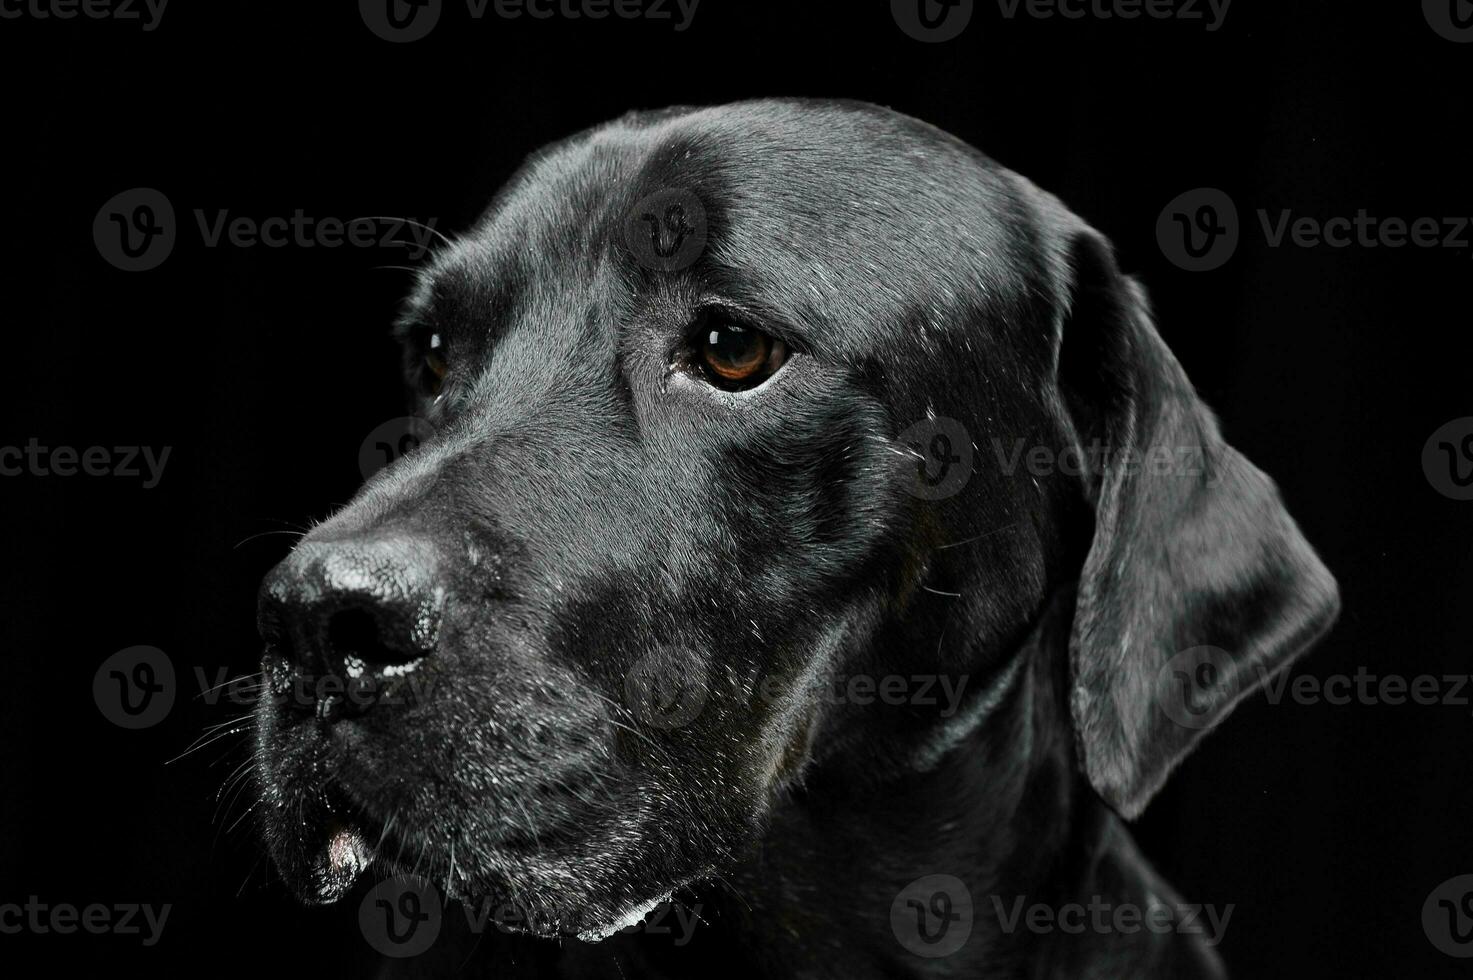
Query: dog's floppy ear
(1192, 548)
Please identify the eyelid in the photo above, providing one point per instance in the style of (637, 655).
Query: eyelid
(747, 316)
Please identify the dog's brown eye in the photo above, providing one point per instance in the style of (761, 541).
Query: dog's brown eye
(436, 364)
(737, 357)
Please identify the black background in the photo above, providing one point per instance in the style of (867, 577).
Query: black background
(1326, 826)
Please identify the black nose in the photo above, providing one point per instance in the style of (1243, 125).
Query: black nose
(353, 617)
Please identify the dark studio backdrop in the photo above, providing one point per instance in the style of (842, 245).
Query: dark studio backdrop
(263, 369)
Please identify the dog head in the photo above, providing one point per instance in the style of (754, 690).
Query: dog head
(726, 403)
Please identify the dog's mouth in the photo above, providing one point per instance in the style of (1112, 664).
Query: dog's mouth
(347, 852)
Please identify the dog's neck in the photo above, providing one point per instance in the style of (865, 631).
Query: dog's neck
(988, 801)
(835, 889)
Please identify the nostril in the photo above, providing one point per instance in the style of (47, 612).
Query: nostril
(349, 619)
(355, 633)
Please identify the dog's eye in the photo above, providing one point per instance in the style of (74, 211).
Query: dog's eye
(735, 357)
(436, 365)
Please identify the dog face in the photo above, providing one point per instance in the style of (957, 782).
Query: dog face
(674, 377)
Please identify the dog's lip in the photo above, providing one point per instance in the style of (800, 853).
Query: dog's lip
(342, 859)
(335, 849)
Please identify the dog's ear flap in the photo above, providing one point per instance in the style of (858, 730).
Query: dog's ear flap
(1192, 548)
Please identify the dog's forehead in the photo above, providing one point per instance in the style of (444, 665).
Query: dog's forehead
(852, 224)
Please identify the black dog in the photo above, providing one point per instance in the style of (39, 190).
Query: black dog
(730, 570)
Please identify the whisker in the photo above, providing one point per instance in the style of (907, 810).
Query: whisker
(413, 224)
(212, 735)
(226, 683)
(985, 534)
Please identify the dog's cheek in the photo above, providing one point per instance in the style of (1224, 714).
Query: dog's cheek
(808, 503)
